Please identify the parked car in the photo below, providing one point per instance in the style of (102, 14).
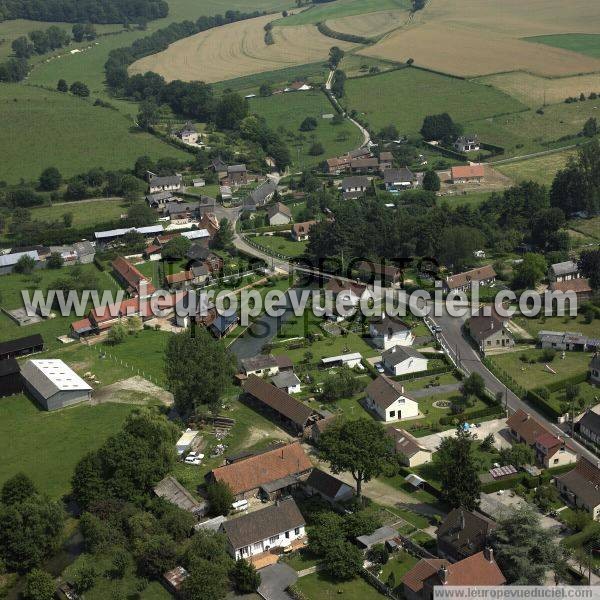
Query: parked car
(380, 368)
(438, 328)
(194, 458)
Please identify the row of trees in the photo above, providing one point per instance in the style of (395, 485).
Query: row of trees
(83, 11)
(40, 42)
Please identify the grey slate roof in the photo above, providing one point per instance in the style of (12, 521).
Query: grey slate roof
(168, 180)
(262, 524)
(379, 536)
(258, 362)
(564, 268)
(396, 175)
(236, 169)
(354, 182)
(262, 192)
(591, 421)
(385, 391)
(9, 260)
(285, 379)
(323, 482)
(398, 354)
(170, 489)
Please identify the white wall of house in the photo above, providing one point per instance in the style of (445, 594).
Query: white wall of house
(401, 408)
(266, 372)
(280, 540)
(420, 458)
(386, 340)
(279, 219)
(559, 459)
(410, 365)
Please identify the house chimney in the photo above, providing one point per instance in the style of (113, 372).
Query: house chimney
(443, 574)
(393, 349)
(462, 520)
(402, 389)
(488, 553)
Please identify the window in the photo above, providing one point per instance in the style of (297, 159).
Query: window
(392, 413)
(287, 535)
(555, 460)
(297, 531)
(273, 540)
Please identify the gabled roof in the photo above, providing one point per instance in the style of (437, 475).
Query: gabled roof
(466, 531)
(384, 391)
(467, 172)
(236, 169)
(591, 421)
(359, 163)
(398, 354)
(478, 274)
(355, 182)
(404, 442)
(303, 228)
(254, 471)
(9, 366)
(584, 482)
(564, 268)
(387, 325)
(262, 524)
(398, 175)
(132, 276)
(572, 285)
(168, 180)
(481, 327)
(326, 484)
(526, 426)
(337, 285)
(262, 192)
(279, 208)
(50, 376)
(258, 362)
(170, 489)
(285, 379)
(9, 260)
(278, 400)
(20, 344)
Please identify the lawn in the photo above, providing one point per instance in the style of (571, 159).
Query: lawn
(85, 213)
(584, 43)
(535, 375)
(42, 128)
(588, 227)
(47, 446)
(285, 112)
(541, 169)
(588, 393)
(473, 199)
(577, 324)
(399, 564)
(303, 559)
(341, 8)
(404, 98)
(281, 245)
(319, 586)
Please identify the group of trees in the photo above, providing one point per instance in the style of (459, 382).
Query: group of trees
(40, 42)
(338, 83)
(86, 11)
(440, 127)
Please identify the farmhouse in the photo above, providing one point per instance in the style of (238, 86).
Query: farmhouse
(279, 471)
(236, 175)
(219, 167)
(580, 287)
(53, 384)
(477, 570)
(386, 160)
(188, 134)
(327, 486)
(388, 332)
(387, 274)
(408, 448)
(298, 86)
(279, 214)
(261, 365)
(403, 360)
(159, 199)
(21, 346)
(136, 284)
(335, 166)
(364, 166)
(467, 174)
(292, 413)
(300, 231)
(354, 187)
(467, 143)
(396, 180)
(581, 487)
(260, 195)
(490, 333)
(277, 526)
(170, 183)
(563, 271)
(10, 377)
(463, 533)
(463, 281)
(560, 340)
(388, 400)
(287, 381)
(171, 490)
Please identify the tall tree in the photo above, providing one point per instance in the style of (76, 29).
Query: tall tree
(457, 467)
(224, 236)
(197, 370)
(525, 550)
(359, 447)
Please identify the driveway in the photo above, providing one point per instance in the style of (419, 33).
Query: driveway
(275, 579)
(494, 427)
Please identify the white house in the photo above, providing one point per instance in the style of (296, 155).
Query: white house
(388, 332)
(354, 187)
(188, 135)
(277, 526)
(261, 365)
(287, 381)
(53, 384)
(387, 399)
(279, 214)
(169, 183)
(564, 271)
(402, 360)
(467, 143)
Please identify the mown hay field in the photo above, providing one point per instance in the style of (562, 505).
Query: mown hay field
(41, 128)
(370, 24)
(236, 50)
(480, 37)
(541, 169)
(584, 43)
(341, 8)
(285, 112)
(536, 91)
(405, 97)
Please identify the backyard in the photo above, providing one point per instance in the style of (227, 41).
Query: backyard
(280, 244)
(319, 586)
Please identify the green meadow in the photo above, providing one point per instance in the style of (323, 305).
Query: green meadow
(584, 43)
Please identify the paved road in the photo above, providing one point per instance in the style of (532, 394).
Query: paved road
(463, 353)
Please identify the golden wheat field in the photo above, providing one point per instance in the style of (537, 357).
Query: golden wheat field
(370, 24)
(480, 37)
(236, 50)
(535, 91)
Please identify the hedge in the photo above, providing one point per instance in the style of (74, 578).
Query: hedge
(419, 374)
(448, 153)
(533, 398)
(574, 379)
(490, 411)
(344, 37)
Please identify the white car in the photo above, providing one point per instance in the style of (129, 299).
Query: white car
(380, 368)
(194, 458)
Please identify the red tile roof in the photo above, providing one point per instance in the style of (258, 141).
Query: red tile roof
(179, 277)
(572, 285)
(467, 172)
(462, 279)
(526, 426)
(132, 276)
(252, 472)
